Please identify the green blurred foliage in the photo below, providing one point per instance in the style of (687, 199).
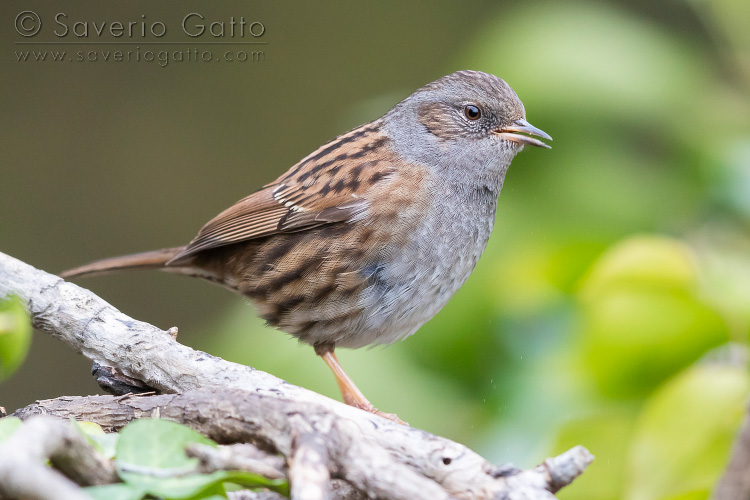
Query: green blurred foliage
(8, 425)
(612, 306)
(684, 431)
(15, 335)
(644, 318)
(104, 443)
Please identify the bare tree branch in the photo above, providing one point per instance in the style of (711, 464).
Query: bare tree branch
(309, 460)
(234, 415)
(241, 456)
(23, 473)
(340, 490)
(255, 495)
(375, 455)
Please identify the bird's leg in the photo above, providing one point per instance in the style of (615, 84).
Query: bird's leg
(349, 391)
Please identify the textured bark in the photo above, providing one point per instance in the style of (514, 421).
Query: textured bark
(310, 462)
(241, 456)
(234, 403)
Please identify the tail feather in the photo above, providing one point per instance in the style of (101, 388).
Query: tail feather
(145, 260)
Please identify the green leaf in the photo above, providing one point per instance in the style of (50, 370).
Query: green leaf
(120, 491)
(642, 262)
(8, 426)
(157, 449)
(101, 441)
(213, 490)
(250, 480)
(15, 335)
(641, 303)
(158, 444)
(683, 437)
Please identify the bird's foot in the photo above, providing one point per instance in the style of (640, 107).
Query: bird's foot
(390, 416)
(349, 391)
(368, 407)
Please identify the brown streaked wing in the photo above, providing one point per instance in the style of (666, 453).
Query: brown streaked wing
(327, 186)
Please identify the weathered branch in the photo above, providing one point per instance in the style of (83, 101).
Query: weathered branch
(377, 456)
(309, 460)
(23, 473)
(340, 490)
(234, 415)
(255, 495)
(241, 456)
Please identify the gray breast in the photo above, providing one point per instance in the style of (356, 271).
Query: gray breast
(422, 276)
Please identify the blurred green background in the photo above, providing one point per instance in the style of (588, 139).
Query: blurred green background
(612, 306)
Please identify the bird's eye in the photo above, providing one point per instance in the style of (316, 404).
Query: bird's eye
(472, 112)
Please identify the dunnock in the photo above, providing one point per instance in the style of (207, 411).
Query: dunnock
(368, 237)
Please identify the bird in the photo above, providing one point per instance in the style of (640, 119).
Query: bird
(365, 239)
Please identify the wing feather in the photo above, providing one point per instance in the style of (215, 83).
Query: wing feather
(328, 186)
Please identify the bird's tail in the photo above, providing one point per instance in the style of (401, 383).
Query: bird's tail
(146, 260)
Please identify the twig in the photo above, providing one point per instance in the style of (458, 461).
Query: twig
(243, 456)
(309, 460)
(249, 458)
(255, 495)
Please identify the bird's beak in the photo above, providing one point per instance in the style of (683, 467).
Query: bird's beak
(517, 132)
